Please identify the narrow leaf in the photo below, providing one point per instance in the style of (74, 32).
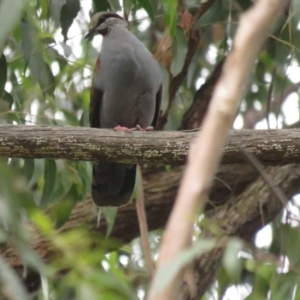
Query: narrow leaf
(49, 182)
(102, 5)
(44, 4)
(179, 50)
(231, 263)
(55, 9)
(10, 12)
(68, 13)
(11, 284)
(147, 6)
(168, 271)
(34, 58)
(114, 4)
(110, 214)
(213, 15)
(3, 74)
(8, 98)
(170, 10)
(28, 168)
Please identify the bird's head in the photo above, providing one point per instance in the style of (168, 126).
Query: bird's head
(102, 21)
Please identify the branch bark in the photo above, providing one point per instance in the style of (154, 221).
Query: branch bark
(205, 156)
(272, 147)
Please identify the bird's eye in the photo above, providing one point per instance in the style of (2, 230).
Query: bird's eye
(101, 20)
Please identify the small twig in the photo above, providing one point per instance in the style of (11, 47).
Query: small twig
(266, 177)
(142, 219)
(269, 99)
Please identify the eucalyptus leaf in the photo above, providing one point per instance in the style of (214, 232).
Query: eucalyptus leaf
(231, 263)
(10, 12)
(146, 4)
(3, 74)
(102, 5)
(166, 273)
(31, 50)
(179, 50)
(114, 5)
(28, 168)
(68, 13)
(213, 15)
(296, 11)
(170, 11)
(11, 285)
(55, 9)
(110, 214)
(49, 182)
(245, 4)
(44, 4)
(8, 98)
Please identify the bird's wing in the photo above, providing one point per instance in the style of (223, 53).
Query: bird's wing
(157, 107)
(95, 101)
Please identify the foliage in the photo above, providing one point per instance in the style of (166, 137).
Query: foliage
(45, 74)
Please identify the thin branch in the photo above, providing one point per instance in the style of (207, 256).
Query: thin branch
(142, 219)
(271, 147)
(253, 116)
(206, 152)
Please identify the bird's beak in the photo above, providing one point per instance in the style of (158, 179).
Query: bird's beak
(90, 33)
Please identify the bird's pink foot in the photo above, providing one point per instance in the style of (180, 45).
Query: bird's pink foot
(123, 128)
(149, 128)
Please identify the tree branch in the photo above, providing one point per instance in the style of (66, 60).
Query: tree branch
(272, 147)
(205, 155)
(244, 217)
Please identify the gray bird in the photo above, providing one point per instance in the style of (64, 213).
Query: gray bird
(126, 94)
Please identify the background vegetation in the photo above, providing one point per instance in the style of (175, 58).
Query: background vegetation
(45, 75)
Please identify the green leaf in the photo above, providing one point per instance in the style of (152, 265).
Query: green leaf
(10, 12)
(55, 9)
(170, 10)
(213, 15)
(49, 182)
(101, 5)
(168, 271)
(60, 211)
(179, 50)
(128, 5)
(147, 6)
(110, 214)
(114, 4)
(62, 186)
(290, 238)
(34, 58)
(3, 74)
(68, 13)
(245, 4)
(11, 283)
(295, 11)
(8, 98)
(44, 4)
(231, 263)
(28, 168)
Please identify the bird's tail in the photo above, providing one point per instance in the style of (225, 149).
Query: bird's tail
(112, 184)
